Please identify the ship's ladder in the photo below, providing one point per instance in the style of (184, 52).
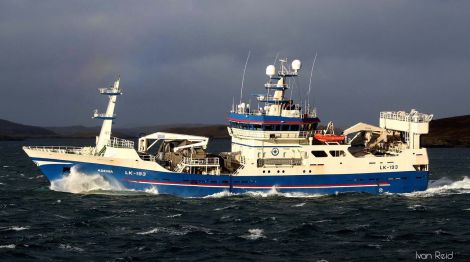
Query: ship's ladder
(239, 169)
(180, 167)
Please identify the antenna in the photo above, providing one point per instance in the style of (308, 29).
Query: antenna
(233, 103)
(310, 82)
(243, 78)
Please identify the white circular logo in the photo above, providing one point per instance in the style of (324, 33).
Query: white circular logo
(275, 151)
(381, 190)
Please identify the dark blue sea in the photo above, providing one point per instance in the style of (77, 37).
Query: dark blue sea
(102, 224)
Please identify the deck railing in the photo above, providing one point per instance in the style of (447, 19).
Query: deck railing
(148, 158)
(120, 143)
(60, 149)
(271, 135)
(414, 116)
(211, 161)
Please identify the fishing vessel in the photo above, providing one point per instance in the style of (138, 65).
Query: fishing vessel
(277, 145)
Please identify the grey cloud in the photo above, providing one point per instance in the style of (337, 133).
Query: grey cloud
(182, 61)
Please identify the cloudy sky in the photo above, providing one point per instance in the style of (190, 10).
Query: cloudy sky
(182, 61)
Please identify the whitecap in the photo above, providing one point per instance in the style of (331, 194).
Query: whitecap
(152, 190)
(185, 229)
(14, 228)
(152, 231)
(165, 230)
(299, 205)
(19, 228)
(254, 233)
(11, 246)
(175, 215)
(221, 194)
(274, 192)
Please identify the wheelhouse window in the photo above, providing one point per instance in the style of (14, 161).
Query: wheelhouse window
(294, 128)
(319, 153)
(337, 153)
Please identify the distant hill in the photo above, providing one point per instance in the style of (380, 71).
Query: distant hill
(214, 131)
(10, 130)
(74, 131)
(90, 132)
(445, 132)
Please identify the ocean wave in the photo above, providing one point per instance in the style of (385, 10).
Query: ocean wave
(444, 186)
(78, 182)
(180, 231)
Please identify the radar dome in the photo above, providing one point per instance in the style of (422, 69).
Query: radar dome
(270, 70)
(296, 65)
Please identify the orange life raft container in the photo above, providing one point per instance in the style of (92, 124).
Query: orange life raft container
(329, 137)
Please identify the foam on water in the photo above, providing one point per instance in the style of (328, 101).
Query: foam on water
(444, 186)
(152, 190)
(254, 233)
(175, 215)
(77, 182)
(11, 246)
(14, 228)
(271, 193)
(222, 194)
(274, 192)
(18, 228)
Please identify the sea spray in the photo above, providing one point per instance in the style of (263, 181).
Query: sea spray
(78, 182)
(444, 186)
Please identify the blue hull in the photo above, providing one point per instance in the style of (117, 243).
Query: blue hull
(197, 185)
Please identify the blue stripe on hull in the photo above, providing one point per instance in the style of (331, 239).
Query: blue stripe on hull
(197, 185)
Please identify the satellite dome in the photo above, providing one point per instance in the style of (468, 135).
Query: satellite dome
(270, 70)
(296, 64)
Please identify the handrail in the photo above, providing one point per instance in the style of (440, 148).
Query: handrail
(58, 149)
(210, 161)
(102, 115)
(110, 90)
(269, 134)
(120, 143)
(413, 116)
(148, 158)
(255, 112)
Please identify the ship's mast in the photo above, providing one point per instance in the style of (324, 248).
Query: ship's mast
(105, 134)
